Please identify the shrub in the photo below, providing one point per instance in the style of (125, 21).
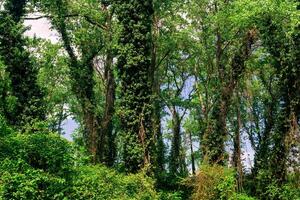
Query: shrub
(214, 183)
(98, 182)
(48, 152)
(165, 195)
(4, 129)
(18, 180)
(34, 166)
(238, 196)
(285, 192)
(41, 167)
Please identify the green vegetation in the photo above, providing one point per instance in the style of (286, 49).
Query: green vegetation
(174, 100)
(42, 166)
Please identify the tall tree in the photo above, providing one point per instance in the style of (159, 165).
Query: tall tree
(86, 69)
(134, 66)
(285, 52)
(22, 71)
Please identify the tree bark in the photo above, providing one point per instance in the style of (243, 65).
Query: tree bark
(237, 160)
(216, 133)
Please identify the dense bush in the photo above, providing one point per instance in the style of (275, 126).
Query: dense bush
(216, 183)
(267, 188)
(41, 166)
(238, 196)
(48, 152)
(4, 129)
(97, 182)
(166, 195)
(18, 180)
(35, 166)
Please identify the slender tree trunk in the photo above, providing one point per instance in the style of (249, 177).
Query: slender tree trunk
(176, 142)
(237, 161)
(156, 118)
(263, 148)
(192, 153)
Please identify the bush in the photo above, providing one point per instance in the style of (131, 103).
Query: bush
(18, 180)
(4, 129)
(214, 183)
(285, 192)
(165, 195)
(98, 182)
(41, 167)
(238, 196)
(48, 152)
(34, 166)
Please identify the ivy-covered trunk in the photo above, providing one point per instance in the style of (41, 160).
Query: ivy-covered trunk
(216, 133)
(82, 83)
(285, 53)
(237, 151)
(175, 158)
(134, 67)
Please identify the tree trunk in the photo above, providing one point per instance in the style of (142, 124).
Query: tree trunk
(134, 67)
(216, 132)
(237, 161)
(192, 153)
(176, 142)
(107, 141)
(156, 118)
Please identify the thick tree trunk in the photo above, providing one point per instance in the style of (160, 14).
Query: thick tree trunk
(134, 66)
(286, 61)
(107, 141)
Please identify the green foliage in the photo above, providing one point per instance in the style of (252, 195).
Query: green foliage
(216, 183)
(166, 195)
(21, 181)
(49, 153)
(54, 77)
(41, 166)
(4, 128)
(268, 188)
(98, 182)
(238, 196)
(34, 166)
(22, 72)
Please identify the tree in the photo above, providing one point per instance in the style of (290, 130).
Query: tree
(22, 71)
(134, 64)
(86, 70)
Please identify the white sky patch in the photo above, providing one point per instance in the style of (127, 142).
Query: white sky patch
(41, 28)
